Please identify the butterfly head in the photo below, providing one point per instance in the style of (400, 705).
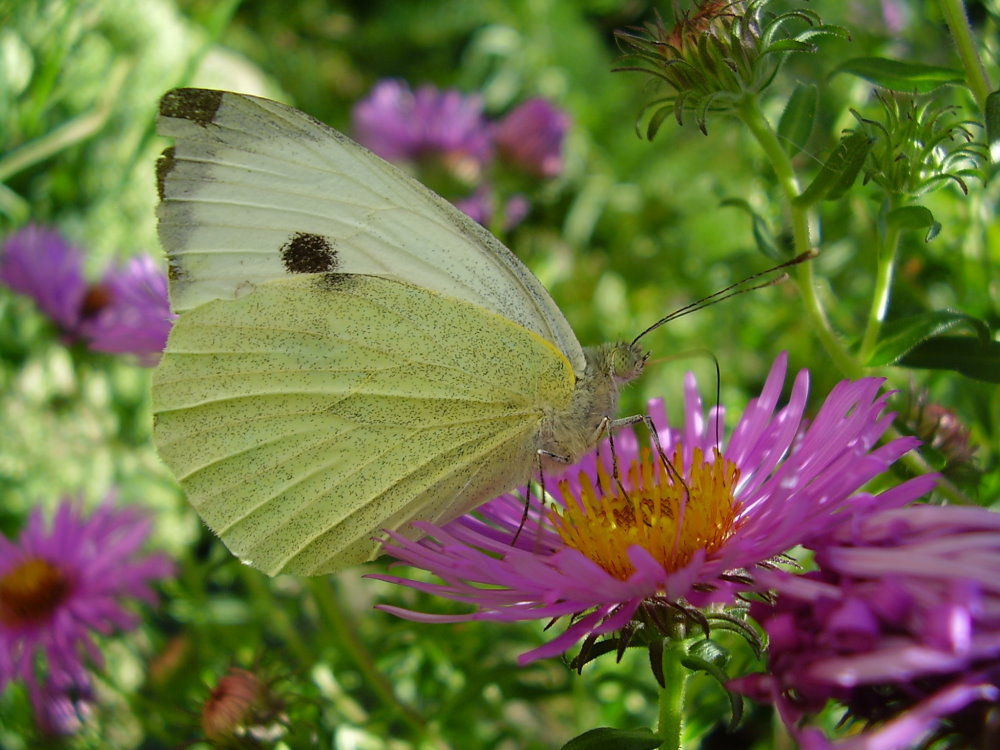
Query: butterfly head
(626, 362)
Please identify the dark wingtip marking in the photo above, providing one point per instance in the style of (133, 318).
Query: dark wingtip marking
(164, 165)
(175, 271)
(197, 105)
(309, 253)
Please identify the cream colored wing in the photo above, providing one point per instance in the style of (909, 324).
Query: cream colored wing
(307, 416)
(254, 190)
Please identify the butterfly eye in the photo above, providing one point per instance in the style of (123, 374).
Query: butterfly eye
(627, 362)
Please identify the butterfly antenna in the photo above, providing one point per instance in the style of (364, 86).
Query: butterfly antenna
(733, 290)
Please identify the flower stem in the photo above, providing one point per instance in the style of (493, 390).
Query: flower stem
(346, 635)
(262, 598)
(885, 268)
(975, 73)
(749, 112)
(671, 715)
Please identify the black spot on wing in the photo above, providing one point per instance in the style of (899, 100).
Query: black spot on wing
(335, 282)
(308, 253)
(164, 165)
(197, 105)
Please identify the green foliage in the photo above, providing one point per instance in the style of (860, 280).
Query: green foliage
(630, 231)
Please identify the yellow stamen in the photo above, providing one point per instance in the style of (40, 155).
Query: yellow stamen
(31, 591)
(668, 517)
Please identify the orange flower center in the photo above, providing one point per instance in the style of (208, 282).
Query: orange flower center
(668, 516)
(31, 591)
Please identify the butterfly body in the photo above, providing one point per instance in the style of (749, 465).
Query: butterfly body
(352, 353)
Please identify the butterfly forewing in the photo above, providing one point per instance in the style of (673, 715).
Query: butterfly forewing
(254, 191)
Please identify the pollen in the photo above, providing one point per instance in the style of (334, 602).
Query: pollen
(668, 514)
(31, 591)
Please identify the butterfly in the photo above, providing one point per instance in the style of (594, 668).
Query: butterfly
(352, 352)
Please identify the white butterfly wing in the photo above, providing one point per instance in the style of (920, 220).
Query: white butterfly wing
(254, 191)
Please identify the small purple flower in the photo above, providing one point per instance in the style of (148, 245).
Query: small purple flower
(531, 137)
(135, 316)
(900, 624)
(604, 552)
(479, 207)
(60, 586)
(400, 125)
(63, 710)
(39, 263)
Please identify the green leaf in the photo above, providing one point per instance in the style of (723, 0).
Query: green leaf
(962, 354)
(838, 172)
(761, 231)
(993, 125)
(914, 217)
(605, 738)
(898, 75)
(899, 337)
(910, 217)
(797, 120)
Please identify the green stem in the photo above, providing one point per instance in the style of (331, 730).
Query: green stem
(671, 714)
(975, 73)
(346, 635)
(749, 112)
(276, 615)
(885, 268)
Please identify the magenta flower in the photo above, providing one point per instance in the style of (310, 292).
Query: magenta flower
(479, 207)
(136, 317)
(400, 125)
(127, 312)
(61, 586)
(900, 624)
(531, 137)
(39, 263)
(773, 484)
(63, 710)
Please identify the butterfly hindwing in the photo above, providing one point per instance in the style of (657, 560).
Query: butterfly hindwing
(306, 416)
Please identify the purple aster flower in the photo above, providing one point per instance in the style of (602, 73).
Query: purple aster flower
(479, 207)
(38, 262)
(60, 586)
(900, 624)
(134, 313)
(678, 529)
(531, 137)
(400, 125)
(63, 710)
